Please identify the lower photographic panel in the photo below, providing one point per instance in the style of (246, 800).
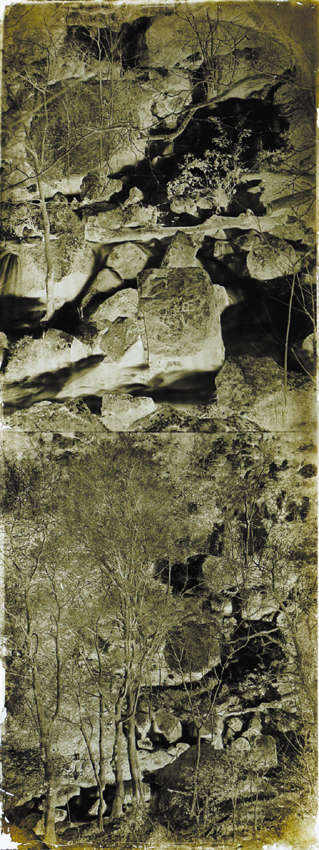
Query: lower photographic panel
(160, 654)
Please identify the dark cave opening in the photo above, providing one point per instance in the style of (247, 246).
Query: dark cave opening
(264, 127)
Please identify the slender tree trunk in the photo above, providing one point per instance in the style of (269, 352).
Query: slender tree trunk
(256, 813)
(234, 817)
(49, 278)
(101, 98)
(101, 783)
(117, 807)
(137, 787)
(287, 337)
(101, 807)
(50, 803)
(45, 735)
(196, 773)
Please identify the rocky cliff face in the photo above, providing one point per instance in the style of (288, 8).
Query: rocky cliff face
(148, 186)
(230, 675)
(158, 351)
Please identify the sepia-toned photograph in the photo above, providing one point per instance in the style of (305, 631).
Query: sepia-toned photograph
(158, 426)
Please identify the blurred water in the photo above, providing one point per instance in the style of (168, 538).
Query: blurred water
(92, 377)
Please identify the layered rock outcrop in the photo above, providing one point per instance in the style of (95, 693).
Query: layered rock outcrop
(172, 221)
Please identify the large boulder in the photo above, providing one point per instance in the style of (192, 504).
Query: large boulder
(255, 729)
(124, 303)
(179, 776)
(59, 815)
(234, 725)
(273, 258)
(181, 309)
(167, 418)
(306, 352)
(151, 761)
(210, 731)
(71, 258)
(241, 745)
(165, 725)
(127, 260)
(263, 754)
(120, 411)
(256, 386)
(136, 215)
(98, 186)
(184, 204)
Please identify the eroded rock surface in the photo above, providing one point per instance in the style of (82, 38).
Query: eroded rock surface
(236, 494)
(181, 310)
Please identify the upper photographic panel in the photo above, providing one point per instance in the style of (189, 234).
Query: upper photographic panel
(157, 255)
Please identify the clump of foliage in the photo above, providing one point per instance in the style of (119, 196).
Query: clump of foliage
(214, 177)
(275, 160)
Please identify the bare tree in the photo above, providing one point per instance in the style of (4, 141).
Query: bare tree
(143, 612)
(41, 123)
(39, 597)
(125, 628)
(29, 96)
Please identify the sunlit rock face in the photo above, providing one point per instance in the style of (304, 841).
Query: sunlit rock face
(54, 350)
(122, 334)
(180, 310)
(127, 260)
(120, 411)
(71, 256)
(166, 418)
(120, 304)
(165, 726)
(133, 215)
